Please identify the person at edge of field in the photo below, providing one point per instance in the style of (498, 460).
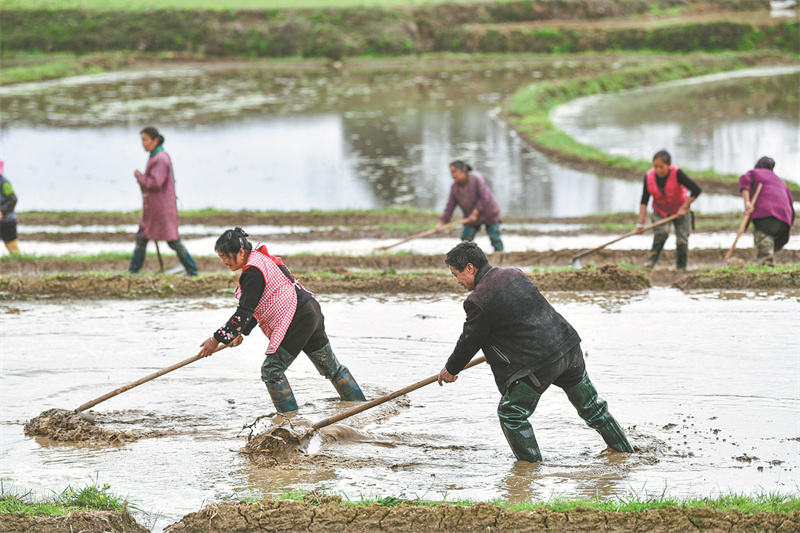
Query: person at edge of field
(159, 220)
(773, 214)
(529, 347)
(472, 194)
(673, 192)
(287, 313)
(8, 218)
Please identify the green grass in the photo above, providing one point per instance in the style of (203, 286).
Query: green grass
(90, 497)
(529, 108)
(215, 5)
(751, 268)
(632, 502)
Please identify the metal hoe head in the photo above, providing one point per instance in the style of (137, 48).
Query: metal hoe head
(575, 262)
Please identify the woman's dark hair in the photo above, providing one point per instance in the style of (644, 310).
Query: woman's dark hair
(151, 132)
(233, 240)
(464, 253)
(664, 156)
(766, 162)
(460, 165)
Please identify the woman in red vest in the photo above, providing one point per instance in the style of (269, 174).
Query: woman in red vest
(270, 297)
(673, 192)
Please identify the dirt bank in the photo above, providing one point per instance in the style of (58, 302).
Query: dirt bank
(287, 515)
(73, 522)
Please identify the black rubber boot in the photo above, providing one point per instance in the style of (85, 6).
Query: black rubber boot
(594, 410)
(516, 406)
(330, 367)
(282, 396)
(655, 251)
(681, 256)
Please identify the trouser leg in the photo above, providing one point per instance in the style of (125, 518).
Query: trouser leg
(273, 374)
(184, 256)
(594, 411)
(345, 384)
(683, 228)
(139, 252)
(468, 233)
(515, 407)
(660, 235)
(494, 235)
(765, 247)
(13, 247)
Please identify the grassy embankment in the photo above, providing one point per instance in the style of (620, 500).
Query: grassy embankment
(529, 111)
(103, 38)
(92, 497)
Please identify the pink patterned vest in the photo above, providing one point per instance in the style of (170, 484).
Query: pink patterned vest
(275, 309)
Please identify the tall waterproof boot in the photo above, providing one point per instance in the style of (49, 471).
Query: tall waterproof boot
(330, 367)
(594, 410)
(655, 252)
(13, 247)
(282, 395)
(681, 256)
(516, 406)
(765, 246)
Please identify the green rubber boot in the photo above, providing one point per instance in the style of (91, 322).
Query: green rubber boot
(655, 252)
(681, 256)
(594, 410)
(516, 406)
(330, 367)
(282, 396)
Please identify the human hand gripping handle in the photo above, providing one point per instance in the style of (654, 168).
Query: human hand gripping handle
(209, 346)
(446, 377)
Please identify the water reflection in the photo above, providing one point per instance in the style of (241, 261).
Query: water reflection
(725, 122)
(265, 140)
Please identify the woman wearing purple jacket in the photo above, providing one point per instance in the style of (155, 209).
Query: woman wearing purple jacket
(471, 192)
(159, 220)
(773, 214)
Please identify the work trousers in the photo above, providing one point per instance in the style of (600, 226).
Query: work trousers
(468, 234)
(140, 251)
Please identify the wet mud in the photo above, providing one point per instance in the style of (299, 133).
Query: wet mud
(72, 522)
(60, 425)
(287, 515)
(339, 280)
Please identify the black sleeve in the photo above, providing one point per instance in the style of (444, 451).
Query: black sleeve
(645, 192)
(242, 321)
(476, 330)
(8, 204)
(689, 183)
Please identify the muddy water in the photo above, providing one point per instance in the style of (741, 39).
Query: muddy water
(705, 384)
(294, 140)
(725, 121)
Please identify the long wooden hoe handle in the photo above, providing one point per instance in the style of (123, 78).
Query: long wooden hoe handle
(629, 234)
(743, 226)
(423, 234)
(383, 399)
(145, 379)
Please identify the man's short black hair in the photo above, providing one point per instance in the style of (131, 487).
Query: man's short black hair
(464, 253)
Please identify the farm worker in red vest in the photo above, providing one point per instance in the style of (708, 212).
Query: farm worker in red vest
(673, 192)
(288, 315)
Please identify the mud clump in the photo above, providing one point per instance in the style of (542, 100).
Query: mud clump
(401, 516)
(61, 425)
(83, 521)
(273, 446)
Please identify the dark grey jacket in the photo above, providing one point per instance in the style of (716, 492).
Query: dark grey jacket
(515, 326)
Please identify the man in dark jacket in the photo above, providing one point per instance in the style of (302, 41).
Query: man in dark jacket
(528, 345)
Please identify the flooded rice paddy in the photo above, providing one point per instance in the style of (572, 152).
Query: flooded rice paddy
(271, 139)
(724, 121)
(706, 385)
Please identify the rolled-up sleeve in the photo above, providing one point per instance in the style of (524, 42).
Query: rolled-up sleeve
(154, 180)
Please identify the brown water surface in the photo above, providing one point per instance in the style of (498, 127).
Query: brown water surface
(705, 384)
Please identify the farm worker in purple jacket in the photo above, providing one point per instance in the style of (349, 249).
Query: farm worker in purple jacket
(471, 192)
(773, 214)
(160, 209)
